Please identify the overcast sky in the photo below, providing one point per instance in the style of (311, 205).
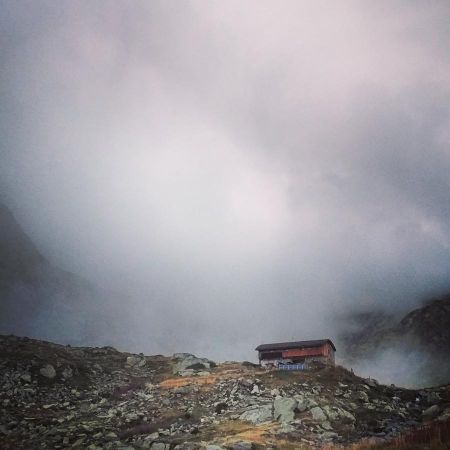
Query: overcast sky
(245, 171)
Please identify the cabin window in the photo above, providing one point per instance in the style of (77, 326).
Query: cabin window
(271, 355)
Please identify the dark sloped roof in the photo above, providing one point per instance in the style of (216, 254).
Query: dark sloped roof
(296, 344)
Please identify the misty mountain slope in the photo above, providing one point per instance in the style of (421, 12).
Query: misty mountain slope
(19, 258)
(38, 299)
(414, 350)
(430, 325)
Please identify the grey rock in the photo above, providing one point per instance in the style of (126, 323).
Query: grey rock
(48, 371)
(67, 373)
(188, 361)
(284, 409)
(445, 415)
(135, 361)
(110, 436)
(26, 377)
(328, 435)
(286, 428)
(361, 395)
(79, 442)
(159, 446)
(188, 446)
(186, 373)
(372, 382)
(433, 397)
(326, 425)
(241, 446)
(432, 411)
(258, 415)
(318, 414)
(304, 403)
(332, 413)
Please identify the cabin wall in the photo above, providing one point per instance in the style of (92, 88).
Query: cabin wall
(323, 354)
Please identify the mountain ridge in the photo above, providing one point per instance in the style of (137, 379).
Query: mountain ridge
(419, 341)
(41, 300)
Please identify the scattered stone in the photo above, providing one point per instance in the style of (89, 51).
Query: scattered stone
(135, 361)
(241, 446)
(284, 409)
(188, 361)
(110, 436)
(258, 415)
(48, 371)
(26, 377)
(432, 411)
(318, 414)
(159, 446)
(220, 407)
(67, 373)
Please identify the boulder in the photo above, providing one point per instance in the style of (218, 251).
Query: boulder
(362, 395)
(135, 361)
(432, 411)
(371, 382)
(346, 417)
(328, 435)
(242, 445)
(67, 373)
(318, 414)
(304, 403)
(48, 371)
(257, 415)
(159, 446)
(186, 361)
(284, 409)
(26, 377)
(191, 446)
(332, 413)
(445, 415)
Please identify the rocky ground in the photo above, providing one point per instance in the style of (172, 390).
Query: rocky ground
(61, 397)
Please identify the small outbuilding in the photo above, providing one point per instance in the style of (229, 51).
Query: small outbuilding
(297, 353)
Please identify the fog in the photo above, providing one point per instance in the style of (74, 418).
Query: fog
(243, 172)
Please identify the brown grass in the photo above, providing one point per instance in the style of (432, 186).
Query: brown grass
(236, 430)
(173, 383)
(212, 378)
(433, 436)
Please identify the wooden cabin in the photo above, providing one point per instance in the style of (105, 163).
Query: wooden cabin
(301, 353)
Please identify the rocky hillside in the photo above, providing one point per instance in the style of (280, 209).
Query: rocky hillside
(61, 397)
(39, 299)
(414, 350)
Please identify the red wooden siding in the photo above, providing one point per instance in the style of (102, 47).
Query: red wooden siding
(314, 351)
